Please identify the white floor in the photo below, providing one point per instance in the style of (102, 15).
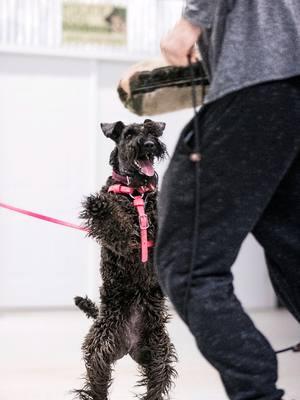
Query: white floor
(40, 358)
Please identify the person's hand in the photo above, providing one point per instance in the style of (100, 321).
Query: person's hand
(179, 43)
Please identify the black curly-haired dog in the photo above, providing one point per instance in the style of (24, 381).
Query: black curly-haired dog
(132, 314)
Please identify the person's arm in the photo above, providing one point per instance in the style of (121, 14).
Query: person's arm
(179, 43)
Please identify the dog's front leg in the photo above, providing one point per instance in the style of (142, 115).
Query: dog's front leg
(102, 220)
(95, 213)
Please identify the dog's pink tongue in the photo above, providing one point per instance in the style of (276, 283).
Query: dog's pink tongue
(146, 167)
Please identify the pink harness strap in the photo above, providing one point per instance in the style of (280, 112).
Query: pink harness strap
(139, 204)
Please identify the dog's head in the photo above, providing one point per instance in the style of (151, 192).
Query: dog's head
(137, 147)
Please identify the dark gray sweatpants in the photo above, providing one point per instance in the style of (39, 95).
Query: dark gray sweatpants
(249, 182)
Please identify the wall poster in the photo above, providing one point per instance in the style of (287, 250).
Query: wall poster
(96, 23)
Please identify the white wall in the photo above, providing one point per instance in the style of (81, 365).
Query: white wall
(52, 153)
(45, 165)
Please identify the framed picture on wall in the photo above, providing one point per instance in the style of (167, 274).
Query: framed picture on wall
(94, 23)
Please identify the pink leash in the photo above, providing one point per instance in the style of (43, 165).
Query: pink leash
(43, 217)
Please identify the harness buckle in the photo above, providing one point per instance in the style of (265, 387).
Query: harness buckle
(144, 223)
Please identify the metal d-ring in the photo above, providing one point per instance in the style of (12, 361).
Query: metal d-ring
(133, 197)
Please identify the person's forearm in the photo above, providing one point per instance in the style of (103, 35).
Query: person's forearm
(200, 12)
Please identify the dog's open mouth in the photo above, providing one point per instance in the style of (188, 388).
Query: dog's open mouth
(145, 166)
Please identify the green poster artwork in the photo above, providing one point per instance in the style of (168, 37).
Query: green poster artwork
(90, 23)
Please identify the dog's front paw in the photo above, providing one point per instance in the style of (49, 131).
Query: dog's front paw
(94, 206)
(95, 211)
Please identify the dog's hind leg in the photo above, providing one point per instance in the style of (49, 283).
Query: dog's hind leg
(98, 376)
(101, 348)
(156, 356)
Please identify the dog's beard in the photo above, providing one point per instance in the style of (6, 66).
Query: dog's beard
(133, 162)
(143, 164)
(143, 167)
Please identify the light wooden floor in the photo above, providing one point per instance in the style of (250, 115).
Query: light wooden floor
(40, 358)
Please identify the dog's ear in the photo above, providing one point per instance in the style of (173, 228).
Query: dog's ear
(113, 131)
(161, 126)
(156, 127)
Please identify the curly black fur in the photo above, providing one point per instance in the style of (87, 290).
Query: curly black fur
(87, 306)
(133, 314)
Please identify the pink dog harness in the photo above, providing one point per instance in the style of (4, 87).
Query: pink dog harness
(139, 204)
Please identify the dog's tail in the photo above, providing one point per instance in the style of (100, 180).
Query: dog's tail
(87, 306)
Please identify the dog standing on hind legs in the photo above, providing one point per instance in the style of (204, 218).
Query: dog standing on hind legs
(132, 315)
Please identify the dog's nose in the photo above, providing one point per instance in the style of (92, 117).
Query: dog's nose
(149, 145)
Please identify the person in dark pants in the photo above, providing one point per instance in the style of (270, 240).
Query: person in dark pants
(249, 130)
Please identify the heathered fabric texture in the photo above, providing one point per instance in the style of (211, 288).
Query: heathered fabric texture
(246, 42)
(249, 182)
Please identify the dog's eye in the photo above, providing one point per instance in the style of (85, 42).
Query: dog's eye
(129, 134)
